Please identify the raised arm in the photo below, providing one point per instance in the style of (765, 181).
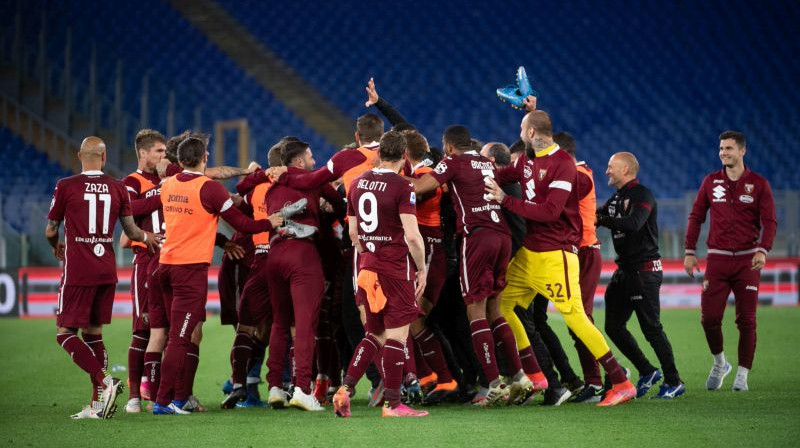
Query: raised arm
(388, 111)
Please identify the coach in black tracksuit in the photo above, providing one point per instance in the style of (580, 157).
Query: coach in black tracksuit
(631, 215)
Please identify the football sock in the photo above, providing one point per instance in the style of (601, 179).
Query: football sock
(95, 342)
(256, 360)
(363, 354)
(152, 368)
(742, 372)
(431, 349)
(410, 366)
(423, 368)
(240, 357)
(392, 363)
(613, 369)
(82, 355)
(136, 361)
(483, 344)
(529, 362)
(504, 338)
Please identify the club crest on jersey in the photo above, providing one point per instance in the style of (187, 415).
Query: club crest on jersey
(528, 172)
(440, 168)
(748, 188)
(542, 173)
(99, 250)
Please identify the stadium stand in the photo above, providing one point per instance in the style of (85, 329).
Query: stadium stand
(152, 37)
(21, 186)
(621, 77)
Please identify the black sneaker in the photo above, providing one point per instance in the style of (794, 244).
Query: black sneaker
(238, 394)
(575, 385)
(556, 396)
(590, 394)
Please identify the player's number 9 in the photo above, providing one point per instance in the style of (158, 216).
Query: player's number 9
(368, 221)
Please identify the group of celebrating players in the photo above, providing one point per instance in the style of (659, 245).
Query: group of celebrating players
(359, 264)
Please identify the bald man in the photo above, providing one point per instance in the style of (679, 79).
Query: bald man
(631, 214)
(547, 263)
(90, 204)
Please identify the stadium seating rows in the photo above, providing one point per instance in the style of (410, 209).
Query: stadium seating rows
(151, 37)
(660, 79)
(27, 178)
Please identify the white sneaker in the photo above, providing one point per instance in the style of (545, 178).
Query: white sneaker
(86, 412)
(740, 384)
(717, 375)
(193, 405)
(176, 410)
(498, 394)
(94, 411)
(113, 387)
(520, 390)
(134, 405)
(306, 402)
(277, 398)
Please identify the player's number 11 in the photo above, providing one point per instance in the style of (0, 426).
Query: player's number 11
(92, 198)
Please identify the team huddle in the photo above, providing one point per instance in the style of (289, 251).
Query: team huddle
(355, 269)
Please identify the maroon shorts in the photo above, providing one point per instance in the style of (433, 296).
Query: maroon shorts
(158, 304)
(185, 288)
(85, 306)
(437, 267)
(139, 287)
(401, 307)
(591, 263)
(255, 306)
(484, 259)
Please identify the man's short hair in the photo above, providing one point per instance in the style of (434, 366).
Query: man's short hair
(566, 141)
(275, 151)
(416, 143)
(392, 147)
(517, 146)
(291, 150)
(172, 143)
(369, 128)
(500, 153)
(404, 126)
(146, 138)
(540, 121)
(191, 151)
(458, 135)
(737, 136)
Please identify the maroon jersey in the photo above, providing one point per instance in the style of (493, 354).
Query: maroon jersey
(550, 199)
(173, 169)
(89, 204)
(144, 190)
(464, 175)
(377, 198)
(281, 195)
(742, 214)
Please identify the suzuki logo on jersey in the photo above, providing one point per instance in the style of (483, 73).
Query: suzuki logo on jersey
(719, 193)
(529, 190)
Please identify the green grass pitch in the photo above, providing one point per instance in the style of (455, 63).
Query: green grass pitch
(40, 388)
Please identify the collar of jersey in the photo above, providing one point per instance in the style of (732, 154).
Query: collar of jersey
(548, 151)
(192, 172)
(382, 170)
(472, 152)
(92, 173)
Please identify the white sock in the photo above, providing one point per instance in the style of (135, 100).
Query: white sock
(742, 372)
(719, 359)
